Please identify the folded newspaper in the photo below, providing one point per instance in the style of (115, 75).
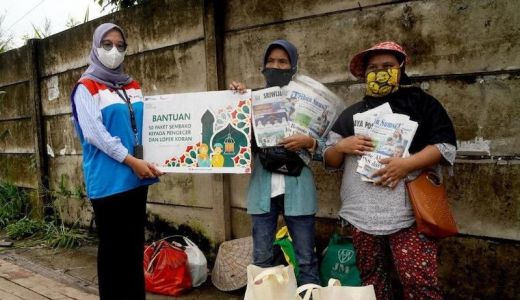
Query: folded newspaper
(270, 117)
(304, 106)
(391, 134)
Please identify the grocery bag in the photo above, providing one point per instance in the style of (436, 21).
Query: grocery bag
(197, 263)
(334, 291)
(339, 262)
(166, 269)
(274, 283)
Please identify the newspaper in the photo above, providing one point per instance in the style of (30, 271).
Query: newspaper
(392, 135)
(304, 106)
(363, 121)
(313, 108)
(363, 124)
(270, 118)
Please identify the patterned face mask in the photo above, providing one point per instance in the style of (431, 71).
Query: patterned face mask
(382, 82)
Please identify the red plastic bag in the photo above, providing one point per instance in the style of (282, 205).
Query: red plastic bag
(165, 269)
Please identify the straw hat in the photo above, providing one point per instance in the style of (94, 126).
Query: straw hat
(357, 64)
(230, 270)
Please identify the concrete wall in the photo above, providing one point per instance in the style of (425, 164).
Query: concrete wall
(463, 52)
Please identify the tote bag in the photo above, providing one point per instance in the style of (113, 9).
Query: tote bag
(339, 262)
(334, 291)
(274, 283)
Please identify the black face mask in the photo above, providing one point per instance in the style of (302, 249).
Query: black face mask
(277, 77)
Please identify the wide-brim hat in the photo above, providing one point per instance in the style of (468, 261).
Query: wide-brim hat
(357, 63)
(230, 270)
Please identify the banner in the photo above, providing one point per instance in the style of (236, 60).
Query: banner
(207, 132)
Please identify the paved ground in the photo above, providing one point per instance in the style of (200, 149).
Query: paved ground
(37, 272)
(21, 282)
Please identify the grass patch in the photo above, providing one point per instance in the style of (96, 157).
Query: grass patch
(24, 228)
(61, 236)
(15, 209)
(14, 204)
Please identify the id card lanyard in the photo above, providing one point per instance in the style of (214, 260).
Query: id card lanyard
(138, 149)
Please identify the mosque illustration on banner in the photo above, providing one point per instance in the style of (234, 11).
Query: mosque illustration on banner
(225, 140)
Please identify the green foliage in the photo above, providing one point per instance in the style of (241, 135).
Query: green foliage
(85, 18)
(39, 32)
(71, 22)
(6, 39)
(14, 204)
(65, 191)
(115, 5)
(24, 228)
(60, 236)
(15, 208)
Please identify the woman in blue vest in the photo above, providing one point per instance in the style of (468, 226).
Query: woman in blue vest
(274, 191)
(107, 105)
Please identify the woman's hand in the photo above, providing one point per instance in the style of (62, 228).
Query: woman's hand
(154, 170)
(297, 142)
(395, 169)
(237, 86)
(355, 145)
(141, 168)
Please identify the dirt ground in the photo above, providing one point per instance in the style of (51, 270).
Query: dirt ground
(77, 268)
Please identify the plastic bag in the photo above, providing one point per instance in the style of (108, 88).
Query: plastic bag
(339, 262)
(165, 269)
(197, 263)
(273, 283)
(283, 239)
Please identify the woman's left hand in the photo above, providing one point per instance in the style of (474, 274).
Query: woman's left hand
(297, 142)
(395, 169)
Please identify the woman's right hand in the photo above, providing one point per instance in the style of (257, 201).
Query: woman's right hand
(142, 168)
(237, 86)
(355, 145)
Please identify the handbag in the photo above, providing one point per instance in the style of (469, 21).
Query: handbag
(165, 269)
(430, 205)
(280, 160)
(339, 262)
(274, 283)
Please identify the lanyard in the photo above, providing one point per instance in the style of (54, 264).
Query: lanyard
(131, 110)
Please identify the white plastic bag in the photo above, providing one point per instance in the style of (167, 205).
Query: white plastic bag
(334, 291)
(197, 263)
(275, 283)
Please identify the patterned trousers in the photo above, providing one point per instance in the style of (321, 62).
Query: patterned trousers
(415, 259)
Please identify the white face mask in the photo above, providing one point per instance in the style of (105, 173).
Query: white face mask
(110, 59)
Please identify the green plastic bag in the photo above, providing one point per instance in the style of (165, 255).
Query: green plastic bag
(339, 262)
(283, 239)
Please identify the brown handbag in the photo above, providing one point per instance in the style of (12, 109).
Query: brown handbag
(430, 206)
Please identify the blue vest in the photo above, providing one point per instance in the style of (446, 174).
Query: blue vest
(105, 176)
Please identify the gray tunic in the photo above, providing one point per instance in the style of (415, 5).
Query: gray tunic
(370, 208)
(373, 209)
